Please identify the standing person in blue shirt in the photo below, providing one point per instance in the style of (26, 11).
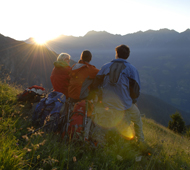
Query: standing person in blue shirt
(120, 88)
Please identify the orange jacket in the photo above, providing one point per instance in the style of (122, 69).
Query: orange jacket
(60, 77)
(81, 77)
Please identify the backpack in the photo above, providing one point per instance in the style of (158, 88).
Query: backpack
(79, 120)
(49, 111)
(32, 94)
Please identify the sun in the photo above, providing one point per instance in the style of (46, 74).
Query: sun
(40, 40)
(44, 37)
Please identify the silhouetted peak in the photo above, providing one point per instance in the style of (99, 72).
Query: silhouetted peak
(187, 31)
(30, 40)
(63, 36)
(164, 30)
(5, 39)
(167, 31)
(92, 33)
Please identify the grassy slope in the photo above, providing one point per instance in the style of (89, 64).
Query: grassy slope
(164, 149)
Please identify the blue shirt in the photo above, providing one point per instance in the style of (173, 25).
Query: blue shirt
(121, 84)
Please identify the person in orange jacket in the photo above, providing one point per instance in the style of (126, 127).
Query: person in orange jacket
(81, 77)
(60, 74)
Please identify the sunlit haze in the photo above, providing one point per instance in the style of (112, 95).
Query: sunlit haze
(44, 19)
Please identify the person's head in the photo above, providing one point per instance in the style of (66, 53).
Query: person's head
(64, 57)
(122, 51)
(86, 56)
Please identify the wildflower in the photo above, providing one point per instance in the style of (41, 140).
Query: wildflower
(48, 118)
(40, 133)
(119, 158)
(29, 150)
(30, 129)
(42, 143)
(25, 117)
(15, 156)
(38, 157)
(21, 105)
(149, 154)
(138, 158)
(74, 159)
(25, 137)
(35, 146)
(107, 108)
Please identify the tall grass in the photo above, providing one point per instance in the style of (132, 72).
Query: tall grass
(163, 148)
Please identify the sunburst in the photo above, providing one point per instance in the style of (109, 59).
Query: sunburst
(40, 40)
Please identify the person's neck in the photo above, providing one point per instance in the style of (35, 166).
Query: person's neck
(85, 61)
(120, 58)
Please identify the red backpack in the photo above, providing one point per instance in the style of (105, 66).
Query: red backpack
(79, 118)
(32, 94)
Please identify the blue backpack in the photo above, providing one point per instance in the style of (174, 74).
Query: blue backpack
(48, 111)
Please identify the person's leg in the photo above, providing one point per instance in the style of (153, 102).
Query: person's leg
(135, 116)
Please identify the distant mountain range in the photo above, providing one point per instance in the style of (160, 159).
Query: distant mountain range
(103, 41)
(29, 64)
(162, 58)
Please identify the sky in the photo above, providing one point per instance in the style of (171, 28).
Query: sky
(45, 19)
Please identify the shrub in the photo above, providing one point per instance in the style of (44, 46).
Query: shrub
(177, 124)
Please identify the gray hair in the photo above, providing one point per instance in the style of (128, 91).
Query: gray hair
(63, 56)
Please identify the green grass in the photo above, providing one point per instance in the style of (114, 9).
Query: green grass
(163, 149)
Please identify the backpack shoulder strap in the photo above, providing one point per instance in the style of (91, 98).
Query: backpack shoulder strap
(115, 70)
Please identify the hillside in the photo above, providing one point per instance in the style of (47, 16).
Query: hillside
(163, 148)
(162, 58)
(158, 110)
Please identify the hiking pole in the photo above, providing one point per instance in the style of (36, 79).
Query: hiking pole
(69, 104)
(86, 121)
(65, 124)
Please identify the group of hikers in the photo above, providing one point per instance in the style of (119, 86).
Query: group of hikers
(114, 88)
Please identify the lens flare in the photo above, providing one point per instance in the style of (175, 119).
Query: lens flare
(108, 118)
(126, 130)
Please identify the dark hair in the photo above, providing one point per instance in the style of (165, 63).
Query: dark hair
(122, 51)
(86, 56)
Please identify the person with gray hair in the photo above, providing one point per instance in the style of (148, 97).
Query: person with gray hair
(64, 57)
(60, 75)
